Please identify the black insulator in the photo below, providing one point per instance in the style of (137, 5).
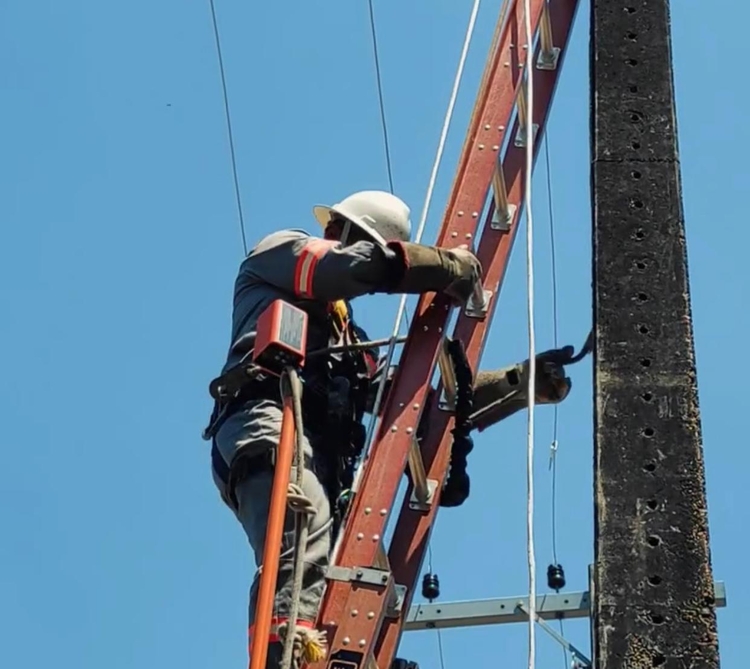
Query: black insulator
(430, 586)
(556, 577)
(398, 663)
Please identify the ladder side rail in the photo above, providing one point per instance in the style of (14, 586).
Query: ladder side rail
(346, 593)
(412, 533)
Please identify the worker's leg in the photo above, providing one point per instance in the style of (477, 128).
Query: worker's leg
(254, 432)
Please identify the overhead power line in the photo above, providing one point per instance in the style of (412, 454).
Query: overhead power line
(228, 117)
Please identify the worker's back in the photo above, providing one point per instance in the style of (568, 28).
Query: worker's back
(263, 276)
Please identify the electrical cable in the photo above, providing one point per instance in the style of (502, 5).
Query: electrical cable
(532, 343)
(438, 630)
(228, 117)
(380, 96)
(555, 330)
(420, 230)
(425, 208)
(555, 338)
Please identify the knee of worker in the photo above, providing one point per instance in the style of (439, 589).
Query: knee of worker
(253, 494)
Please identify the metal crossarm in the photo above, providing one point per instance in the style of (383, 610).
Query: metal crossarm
(365, 602)
(504, 610)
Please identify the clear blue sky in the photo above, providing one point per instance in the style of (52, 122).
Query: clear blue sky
(118, 249)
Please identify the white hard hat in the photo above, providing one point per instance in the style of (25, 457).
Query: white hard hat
(381, 215)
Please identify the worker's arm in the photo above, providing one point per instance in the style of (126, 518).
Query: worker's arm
(314, 268)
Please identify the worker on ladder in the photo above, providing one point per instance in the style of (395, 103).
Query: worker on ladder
(364, 249)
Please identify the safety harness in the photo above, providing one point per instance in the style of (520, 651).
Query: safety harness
(336, 384)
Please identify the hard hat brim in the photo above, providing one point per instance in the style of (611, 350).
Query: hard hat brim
(324, 213)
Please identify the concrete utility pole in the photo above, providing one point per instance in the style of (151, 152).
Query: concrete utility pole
(653, 586)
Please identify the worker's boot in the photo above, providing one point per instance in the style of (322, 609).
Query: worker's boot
(503, 392)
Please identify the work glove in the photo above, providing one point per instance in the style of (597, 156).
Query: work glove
(429, 268)
(503, 392)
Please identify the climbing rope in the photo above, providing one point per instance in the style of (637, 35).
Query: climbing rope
(529, 132)
(304, 643)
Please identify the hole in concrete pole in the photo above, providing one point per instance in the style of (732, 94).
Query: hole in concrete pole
(636, 145)
(653, 505)
(638, 204)
(650, 467)
(640, 264)
(642, 297)
(654, 580)
(657, 619)
(635, 174)
(653, 540)
(632, 36)
(647, 397)
(630, 10)
(643, 329)
(648, 432)
(632, 62)
(645, 362)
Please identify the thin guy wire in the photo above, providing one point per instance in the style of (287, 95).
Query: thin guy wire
(380, 96)
(555, 328)
(439, 635)
(229, 126)
(423, 218)
(553, 253)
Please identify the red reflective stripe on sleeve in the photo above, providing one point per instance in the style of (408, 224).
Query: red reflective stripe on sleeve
(304, 271)
(372, 364)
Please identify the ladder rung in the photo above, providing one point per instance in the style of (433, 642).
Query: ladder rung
(448, 377)
(422, 493)
(504, 212)
(549, 54)
(523, 115)
(381, 558)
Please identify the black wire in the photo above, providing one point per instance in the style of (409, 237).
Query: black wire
(554, 502)
(553, 253)
(229, 126)
(380, 96)
(439, 633)
(553, 249)
(564, 649)
(440, 648)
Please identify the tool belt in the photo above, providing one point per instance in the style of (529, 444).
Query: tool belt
(337, 443)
